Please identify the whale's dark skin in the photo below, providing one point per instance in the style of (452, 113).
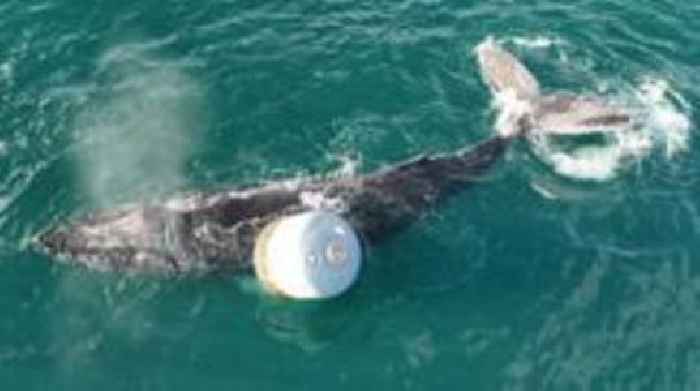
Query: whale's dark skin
(201, 232)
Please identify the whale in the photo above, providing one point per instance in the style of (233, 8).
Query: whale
(520, 100)
(202, 232)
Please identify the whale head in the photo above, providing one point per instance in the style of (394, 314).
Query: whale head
(132, 237)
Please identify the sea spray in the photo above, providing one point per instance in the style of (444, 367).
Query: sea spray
(141, 129)
(662, 123)
(669, 114)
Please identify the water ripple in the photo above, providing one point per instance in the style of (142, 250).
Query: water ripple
(640, 339)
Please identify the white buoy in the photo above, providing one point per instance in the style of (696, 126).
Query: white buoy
(313, 255)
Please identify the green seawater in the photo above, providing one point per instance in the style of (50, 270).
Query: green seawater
(532, 280)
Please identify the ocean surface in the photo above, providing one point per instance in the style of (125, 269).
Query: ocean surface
(574, 265)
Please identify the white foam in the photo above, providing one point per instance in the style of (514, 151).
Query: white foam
(588, 163)
(4, 203)
(538, 41)
(663, 123)
(7, 71)
(667, 119)
(544, 191)
(319, 201)
(348, 166)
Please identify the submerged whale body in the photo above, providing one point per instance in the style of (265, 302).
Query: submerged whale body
(203, 232)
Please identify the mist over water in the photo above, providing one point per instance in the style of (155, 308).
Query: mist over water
(140, 128)
(572, 266)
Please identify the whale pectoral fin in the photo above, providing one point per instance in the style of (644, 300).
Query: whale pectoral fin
(504, 73)
(576, 115)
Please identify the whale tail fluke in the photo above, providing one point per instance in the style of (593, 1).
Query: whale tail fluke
(524, 108)
(504, 73)
(566, 114)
